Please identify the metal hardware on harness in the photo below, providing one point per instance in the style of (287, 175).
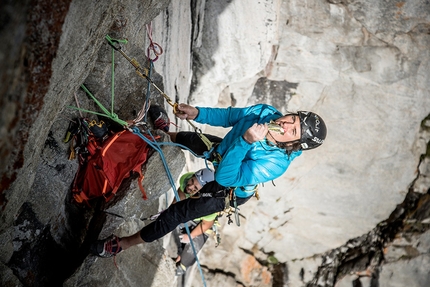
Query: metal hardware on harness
(216, 157)
(255, 189)
(227, 202)
(236, 210)
(219, 194)
(229, 209)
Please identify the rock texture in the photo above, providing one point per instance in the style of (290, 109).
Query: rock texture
(353, 212)
(45, 238)
(364, 67)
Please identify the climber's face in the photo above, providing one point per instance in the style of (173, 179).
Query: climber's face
(291, 126)
(193, 185)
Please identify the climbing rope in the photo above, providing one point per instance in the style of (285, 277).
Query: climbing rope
(154, 47)
(154, 144)
(144, 73)
(105, 113)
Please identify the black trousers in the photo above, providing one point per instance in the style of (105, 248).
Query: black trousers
(185, 210)
(192, 141)
(190, 208)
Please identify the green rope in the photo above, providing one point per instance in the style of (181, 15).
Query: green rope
(87, 111)
(112, 41)
(95, 100)
(108, 114)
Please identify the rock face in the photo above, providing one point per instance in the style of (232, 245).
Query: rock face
(352, 212)
(45, 237)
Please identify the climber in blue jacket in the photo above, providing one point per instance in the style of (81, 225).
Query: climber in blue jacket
(251, 153)
(259, 148)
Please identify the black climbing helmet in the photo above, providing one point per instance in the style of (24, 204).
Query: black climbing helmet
(313, 129)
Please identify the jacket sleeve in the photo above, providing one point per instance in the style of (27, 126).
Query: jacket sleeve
(221, 117)
(234, 170)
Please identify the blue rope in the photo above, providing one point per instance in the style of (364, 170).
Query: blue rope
(155, 145)
(148, 95)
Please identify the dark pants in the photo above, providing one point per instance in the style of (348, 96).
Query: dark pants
(186, 210)
(192, 141)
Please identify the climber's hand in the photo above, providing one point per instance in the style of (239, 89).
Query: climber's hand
(186, 112)
(255, 133)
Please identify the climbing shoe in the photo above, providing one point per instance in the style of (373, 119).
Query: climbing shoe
(180, 269)
(159, 117)
(107, 247)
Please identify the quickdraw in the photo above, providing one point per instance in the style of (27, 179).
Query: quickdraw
(143, 73)
(231, 198)
(214, 231)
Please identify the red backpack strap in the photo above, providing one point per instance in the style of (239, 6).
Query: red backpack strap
(108, 195)
(114, 138)
(139, 181)
(81, 197)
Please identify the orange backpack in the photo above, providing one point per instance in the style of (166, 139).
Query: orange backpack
(108, 165)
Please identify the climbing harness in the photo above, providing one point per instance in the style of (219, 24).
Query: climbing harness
(230, 198)
(254, 190)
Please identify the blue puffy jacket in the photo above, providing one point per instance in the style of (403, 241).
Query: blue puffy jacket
(244, 164)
